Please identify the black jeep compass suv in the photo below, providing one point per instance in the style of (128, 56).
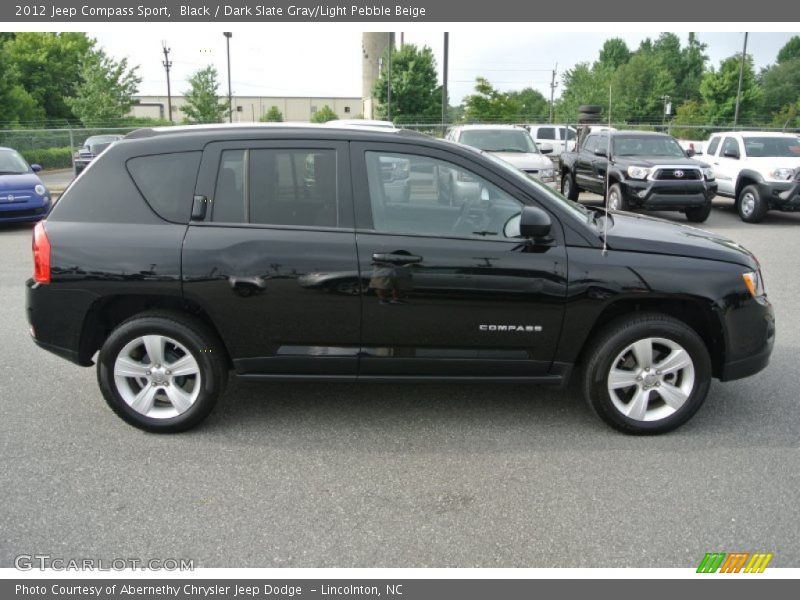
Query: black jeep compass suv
(276, 252)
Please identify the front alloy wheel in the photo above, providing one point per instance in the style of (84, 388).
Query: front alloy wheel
(647, 373)
(651, 379)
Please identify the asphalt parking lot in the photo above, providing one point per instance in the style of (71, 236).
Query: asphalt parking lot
(307, 475)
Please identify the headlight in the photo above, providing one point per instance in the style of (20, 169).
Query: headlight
(547, 174)
(39, 189)
(754, 284)
(781, 174)
(708, 173)
(638, 172)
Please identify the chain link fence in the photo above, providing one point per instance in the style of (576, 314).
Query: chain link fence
(54, 148)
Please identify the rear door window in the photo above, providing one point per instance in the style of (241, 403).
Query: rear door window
(546, 133)
(712, 147)
(167, 182)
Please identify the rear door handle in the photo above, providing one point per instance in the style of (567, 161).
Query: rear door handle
(396, 258)
(199, 208)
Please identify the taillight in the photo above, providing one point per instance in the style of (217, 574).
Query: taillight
(41, 254)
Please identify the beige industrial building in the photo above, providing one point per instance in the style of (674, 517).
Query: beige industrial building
(247, 109)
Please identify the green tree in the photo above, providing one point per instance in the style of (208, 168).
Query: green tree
(693, 67)
(583, 85)
(323, 115)
(691, 112)
(416, 94)
(17, 106)
(530, 105)
(790, 51)
(202, 99)
(105, 92)
(273, 115)
(781, 86)
(615, 53)
(48, 66)
(639, 87)
(489, 104)
(718, 91)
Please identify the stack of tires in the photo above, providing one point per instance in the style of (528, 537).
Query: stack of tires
(588, 114)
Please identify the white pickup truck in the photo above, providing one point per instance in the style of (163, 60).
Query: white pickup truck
(757, 169)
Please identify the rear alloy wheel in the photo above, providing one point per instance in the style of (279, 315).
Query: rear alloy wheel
(162, 372)
(698, 214)
(616, 200)
(750, 205)
(647, 374)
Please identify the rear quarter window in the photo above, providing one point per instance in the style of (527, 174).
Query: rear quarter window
(167, 182)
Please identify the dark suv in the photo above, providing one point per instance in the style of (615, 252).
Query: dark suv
(636, 169)
(276, 252)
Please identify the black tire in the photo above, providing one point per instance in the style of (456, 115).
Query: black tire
(592, 109)
(588, 118)
(603, 352)
(750, 196)
(616, 196)
(698, 214)
(569, 188)
(204, 346)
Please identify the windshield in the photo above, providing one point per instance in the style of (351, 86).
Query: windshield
(499, 140)
(11, 163)
(772, 146)
(655, 145)
(575, 209)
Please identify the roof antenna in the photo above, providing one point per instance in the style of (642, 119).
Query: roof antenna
(608, 161)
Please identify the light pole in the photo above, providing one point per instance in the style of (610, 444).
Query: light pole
(228, 36)
(739, 88)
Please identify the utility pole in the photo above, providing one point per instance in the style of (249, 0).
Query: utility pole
(389, 79)
(739, 89)
(167, 66)
(553, 85)
(228, 36)
(444, 77)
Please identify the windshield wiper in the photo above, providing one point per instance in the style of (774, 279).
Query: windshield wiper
(12, 172)
(485, 233)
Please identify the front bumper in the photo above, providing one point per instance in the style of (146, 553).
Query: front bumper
(668, 195)
(25, 212)
(751, 338)
(782, 196)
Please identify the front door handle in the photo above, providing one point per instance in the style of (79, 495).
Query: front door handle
(402, 259)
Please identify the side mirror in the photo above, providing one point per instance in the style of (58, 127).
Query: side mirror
(36, 168)
(731, 154)
(545, 148)
(535, 224)
(600, 152)
(690, 152)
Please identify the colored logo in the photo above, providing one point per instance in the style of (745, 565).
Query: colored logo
(734, 562)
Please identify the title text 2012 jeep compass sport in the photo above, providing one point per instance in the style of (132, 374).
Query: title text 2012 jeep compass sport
(274, 251)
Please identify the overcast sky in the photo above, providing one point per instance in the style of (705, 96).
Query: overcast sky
(326, 61)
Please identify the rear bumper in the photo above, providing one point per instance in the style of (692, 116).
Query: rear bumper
(56, 318)
(669, 195)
